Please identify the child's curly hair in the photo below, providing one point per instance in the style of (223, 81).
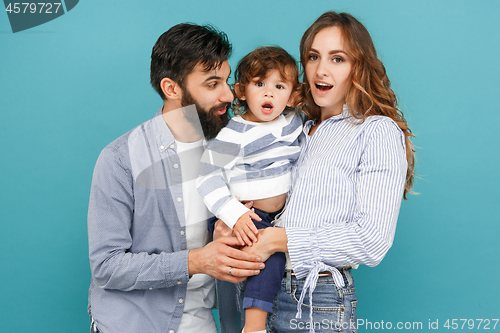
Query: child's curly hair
(257, 64)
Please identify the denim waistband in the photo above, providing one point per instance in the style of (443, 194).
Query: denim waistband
(321, 274)
(311, 280)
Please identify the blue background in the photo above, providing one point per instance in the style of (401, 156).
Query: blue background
(72, 85)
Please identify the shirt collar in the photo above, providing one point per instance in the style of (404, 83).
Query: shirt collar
(163, 136)
(345, 114)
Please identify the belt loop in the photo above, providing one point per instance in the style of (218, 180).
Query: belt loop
(348, 275)
(288, 281)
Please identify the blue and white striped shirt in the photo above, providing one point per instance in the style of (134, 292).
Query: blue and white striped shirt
(347, 187)
(250, 160)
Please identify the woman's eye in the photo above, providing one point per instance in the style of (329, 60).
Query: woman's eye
(313, 57)
(338, 60)
(212, 85)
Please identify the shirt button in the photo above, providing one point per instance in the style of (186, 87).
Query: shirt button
(182, 232)
(171, 331)
(162, 148)
(179, 282)
(179, 199)
(176, 166)
(181, 301)
(172, 146)
(150, 288)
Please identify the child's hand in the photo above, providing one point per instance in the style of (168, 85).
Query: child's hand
(245, 229)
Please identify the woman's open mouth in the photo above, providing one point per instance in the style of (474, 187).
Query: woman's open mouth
(322, 87)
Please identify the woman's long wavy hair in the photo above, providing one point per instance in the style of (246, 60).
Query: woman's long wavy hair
(370, 90)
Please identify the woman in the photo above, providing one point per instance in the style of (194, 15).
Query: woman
(355, 165)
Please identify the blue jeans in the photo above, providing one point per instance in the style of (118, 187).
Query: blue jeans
(259, 290)
(334, 308)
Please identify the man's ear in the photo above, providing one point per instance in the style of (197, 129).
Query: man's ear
(170, 89)
(238, 89)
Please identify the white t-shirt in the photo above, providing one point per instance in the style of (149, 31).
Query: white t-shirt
(200, 296)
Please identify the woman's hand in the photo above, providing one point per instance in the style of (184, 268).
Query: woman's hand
(271, 240)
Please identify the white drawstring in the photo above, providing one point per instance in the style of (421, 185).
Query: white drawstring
(310, 283)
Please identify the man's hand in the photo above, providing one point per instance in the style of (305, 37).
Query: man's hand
(221, 230)
(245, 230)
(222, 261)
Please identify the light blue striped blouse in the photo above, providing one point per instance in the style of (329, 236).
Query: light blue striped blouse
(347, 186)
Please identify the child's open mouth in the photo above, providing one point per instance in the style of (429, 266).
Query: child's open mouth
(267, 108)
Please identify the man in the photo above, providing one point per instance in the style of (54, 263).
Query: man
(150, 261)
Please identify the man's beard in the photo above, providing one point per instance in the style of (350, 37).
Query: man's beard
(211, 122)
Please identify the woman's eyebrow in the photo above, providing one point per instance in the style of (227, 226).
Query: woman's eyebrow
(330, 52)
(336, 51)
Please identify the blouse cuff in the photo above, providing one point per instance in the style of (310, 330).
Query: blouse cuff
(303, 248)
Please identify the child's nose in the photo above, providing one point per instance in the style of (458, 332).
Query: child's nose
(268, 93)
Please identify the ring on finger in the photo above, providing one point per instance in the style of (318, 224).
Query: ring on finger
(230, 271)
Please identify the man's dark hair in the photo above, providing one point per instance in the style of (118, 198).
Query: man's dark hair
(182, 47)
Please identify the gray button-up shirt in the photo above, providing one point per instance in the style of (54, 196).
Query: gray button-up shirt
(136, 226)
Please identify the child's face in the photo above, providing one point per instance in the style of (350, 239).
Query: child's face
(267, 97)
